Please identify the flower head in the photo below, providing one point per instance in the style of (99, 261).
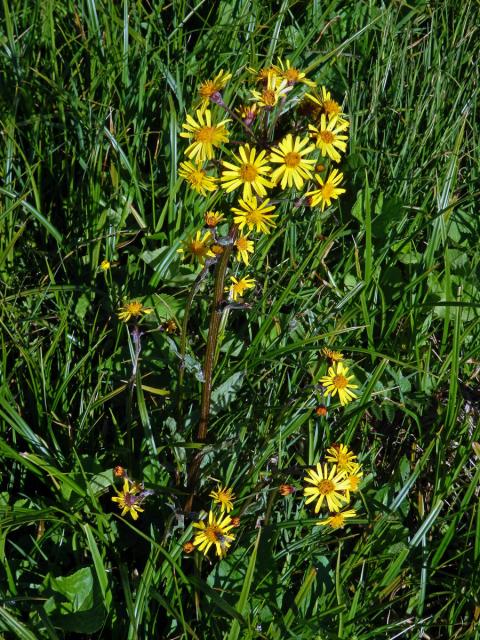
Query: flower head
(324, 104)
(210, 88)
(328, 191)
(224, 497)
(238, 287)
(244, 246)
(188, 547)
(198, 247)
(263, 74)
(274, 89)
(213, 218)
(197, 178)
(337, 381)
(321, 410)
(132, 309)
(291, 74)
(204, 135)
(286, 489)
(353, 478)
(337, 521)
(251, 172)
(248, 113)
(328, 484)
(334, 356)
(342, 457)
(328, 137)
(294, 168)
(128, 500)
(216, 531)
(255, 215)
(105, 265)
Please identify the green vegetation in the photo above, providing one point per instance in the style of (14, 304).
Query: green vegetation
(93, 97)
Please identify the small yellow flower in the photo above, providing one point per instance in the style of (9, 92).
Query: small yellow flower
(198, 247)
(251, 172)
(328, 485)
(215, 532)
(238, 287)
(170, 326)
(188, 547)
(248, 112)
(329, 138)
(244, 246)
(337, 521)
(271, 93)
(105, 265)
(204, 135)
(255, 215)
(328, 191)
(354, 478)
(128, 500)
(294, 168)
(224, 497)
(263, 75)
(291, 74)
(213, 218)
(342, 457)
(197, 178)
(334, 356)
(326, 105)
(337, 381)
(209, 88)
(132, 309)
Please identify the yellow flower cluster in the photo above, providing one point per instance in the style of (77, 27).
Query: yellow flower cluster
(251, 154)
(132, 495)
(332, 483)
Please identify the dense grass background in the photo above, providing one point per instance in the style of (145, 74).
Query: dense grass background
(92, 98)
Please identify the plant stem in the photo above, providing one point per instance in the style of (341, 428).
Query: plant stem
(215, 317)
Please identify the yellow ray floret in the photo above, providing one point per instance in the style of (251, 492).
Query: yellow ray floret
(251, 172)
(328, 191)
(328, 138)
(329, 485)
(216, 531)
(337, 381)
(224, 497)
(255, 215)
(238, 287)
(197, 178)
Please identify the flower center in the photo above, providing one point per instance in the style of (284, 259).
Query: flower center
(337, 521)
(325, 487)
(213, 533)
(196, 177)
(198, 248)
(342, 459)
(205, 134)
(269, 97)
(129, 499)
(207, 89)
(248, 173)
(331, 107)
(292, 159)
(326, 136)
(134, 308)
(242, 245)
(340, 382)
(292, 76)
(353, 482)
(253, 217)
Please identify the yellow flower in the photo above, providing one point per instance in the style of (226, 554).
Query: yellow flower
(271, 93)
(327, 485)
(342, 457)
(294, 168)
(224, 497)
(335, 356)
(338, 381)
(251, 172)
(255, 215)
(209, 88)
(262, 75)
(216, 531)
(237, 287)
(244, 246)
(291, 74)
(132, 309)
(354, 478)
(197, 178)
(248, 112)
(128, 500)
(204, 134)
(328, 138)
(337, 521)
(328, 189)
(328, 106)
(105, 265)
(213, 218)
(198, 247)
